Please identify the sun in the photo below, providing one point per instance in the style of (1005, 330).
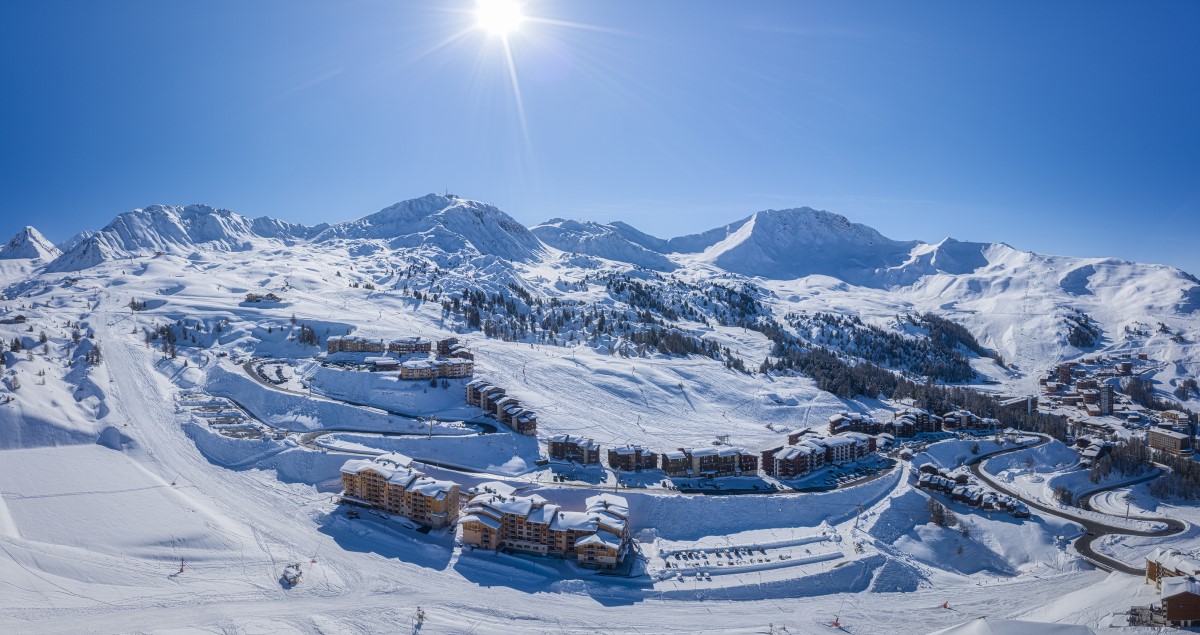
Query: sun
(499, 17)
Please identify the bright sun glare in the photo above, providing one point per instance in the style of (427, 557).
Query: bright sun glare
(499, 17)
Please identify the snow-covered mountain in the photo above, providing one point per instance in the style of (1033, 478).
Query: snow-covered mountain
(793, 243)
(1017, 303)
(175, 230)
(690, 243)
(29, 243)
(450, 224)
(603, 241)
(73, 241)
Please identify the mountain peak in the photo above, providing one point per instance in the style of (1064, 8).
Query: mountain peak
(447, 222)
(174, 229)
(29, 243)
(798, 242)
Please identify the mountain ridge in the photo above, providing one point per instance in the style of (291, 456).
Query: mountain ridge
(772, 244)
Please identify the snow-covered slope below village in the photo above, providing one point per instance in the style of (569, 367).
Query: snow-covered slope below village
(29, 243)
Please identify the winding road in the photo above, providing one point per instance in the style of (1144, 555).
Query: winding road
(485, 427)
(310, 440)
(1094, 529)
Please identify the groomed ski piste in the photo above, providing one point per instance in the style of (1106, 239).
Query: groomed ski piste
(122, 509)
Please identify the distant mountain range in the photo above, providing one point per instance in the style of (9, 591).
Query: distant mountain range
(801, 270)
(771, 244)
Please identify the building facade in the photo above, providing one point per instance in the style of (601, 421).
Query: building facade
(632, 458)
(1170, 441)
(497, 519)
(565, 447)
(1181, 601)
(710, 462)
(1169, 563)
(389, 483)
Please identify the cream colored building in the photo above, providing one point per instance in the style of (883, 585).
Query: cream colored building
(389, 482)
(598, 537)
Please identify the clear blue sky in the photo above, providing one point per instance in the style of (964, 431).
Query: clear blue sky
(1060, 127)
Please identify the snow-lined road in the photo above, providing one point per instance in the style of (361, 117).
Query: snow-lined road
(1094, 528)
(485, 427)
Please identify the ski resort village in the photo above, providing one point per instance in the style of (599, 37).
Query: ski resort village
(435, 419)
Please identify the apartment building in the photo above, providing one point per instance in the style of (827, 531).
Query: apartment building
(565, 447)
(390, 483)
(710, 462)
(598, 537)
(1172, 441)
(632, 458)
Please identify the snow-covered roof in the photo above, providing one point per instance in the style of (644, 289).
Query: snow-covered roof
(542, 515)
(431, 487)
(492, 486)
(611, 503)
(722, 450)
(515, 505)
(351, 338)
(384, 464)
(354, 466)
(1175, 585)
(579, 441)
(1175, 561)
(1170, 433)
(792, 451)
(397, 470)
(607, 539)
(382, 361)
(817, 445)
(395, 458)
(482, 519)
(573, 521)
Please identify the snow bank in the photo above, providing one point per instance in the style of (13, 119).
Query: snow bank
(301, 414)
